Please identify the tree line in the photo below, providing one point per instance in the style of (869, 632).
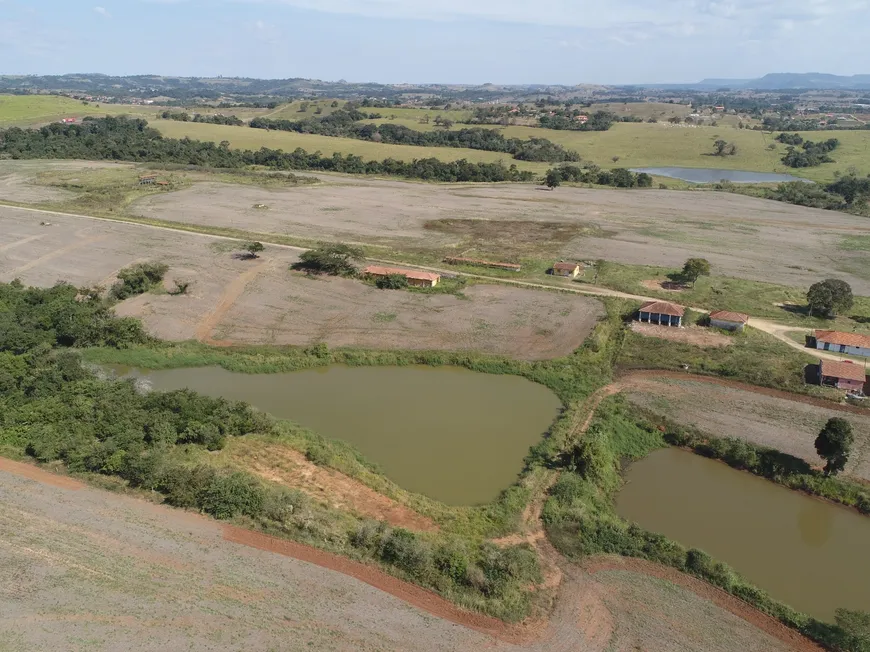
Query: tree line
(346, 124)
(618, 178)
(125, 139)
(214, 119)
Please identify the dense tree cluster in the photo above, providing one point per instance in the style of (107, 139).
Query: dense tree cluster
(811, 154)
(567, 120)
(619, 177)
(790, 139)
(125, 139)
(213, 119)
(346, 124)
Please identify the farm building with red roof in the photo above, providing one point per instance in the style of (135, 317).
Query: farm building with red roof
(415, 277)
(731, 321)
(843, 375)
(851, 343)
(661, 312)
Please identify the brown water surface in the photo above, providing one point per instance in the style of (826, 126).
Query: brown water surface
(808, 553)
(452, 434)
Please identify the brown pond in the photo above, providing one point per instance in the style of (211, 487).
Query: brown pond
(807, 553)
(452, 434)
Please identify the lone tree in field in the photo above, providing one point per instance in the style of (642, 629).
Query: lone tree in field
(834, 444)
(553, 178)
(336, 259)
(695, 268)
(253, 249)
(827, 298)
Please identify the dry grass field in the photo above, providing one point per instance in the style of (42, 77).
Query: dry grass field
(83, 569)
(788, 426)
(262, 302)
(742, 236)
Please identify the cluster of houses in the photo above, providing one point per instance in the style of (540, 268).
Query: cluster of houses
(846, 375)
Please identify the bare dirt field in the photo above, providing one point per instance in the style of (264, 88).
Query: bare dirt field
(19, 183)
(83, 569)
(695, 335)
(262, 302)
(741, 236)
(788, 426)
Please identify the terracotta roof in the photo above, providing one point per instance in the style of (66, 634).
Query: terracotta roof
(846, 339)
(569, 266)
(727, 315)
(377, 270)
(844, 370)
(663, 308)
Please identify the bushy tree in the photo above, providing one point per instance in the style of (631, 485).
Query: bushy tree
(553, 179)
(392, 282)
(337, 259)
(829, 297)
(138, 279)
(694, 268)
(253, 249)
(834, 444)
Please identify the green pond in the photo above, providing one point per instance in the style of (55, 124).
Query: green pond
(805, 552)
(452, 434)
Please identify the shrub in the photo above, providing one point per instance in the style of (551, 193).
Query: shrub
(408, 552)
(138, 279)
(225, 496)
(392, 282)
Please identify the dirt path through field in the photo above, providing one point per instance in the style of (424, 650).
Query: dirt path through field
(83, 242)
(231, 294)
(18, 243)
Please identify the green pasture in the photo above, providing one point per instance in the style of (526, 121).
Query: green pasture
(247, 138)
(26, 110)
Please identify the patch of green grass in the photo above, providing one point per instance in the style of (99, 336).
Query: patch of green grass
(384, 317)
(765, 300)
(855, 243)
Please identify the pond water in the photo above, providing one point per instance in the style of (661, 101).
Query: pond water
(807, 553)
(712, 175)
(454, 435)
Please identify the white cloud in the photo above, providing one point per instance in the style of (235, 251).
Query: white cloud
(103, 12)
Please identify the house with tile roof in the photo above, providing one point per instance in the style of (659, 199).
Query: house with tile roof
(663, 313)
(838, 342)
(414, 276)
(730, 321)
(847, 375)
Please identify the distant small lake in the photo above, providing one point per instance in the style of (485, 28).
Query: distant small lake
(806, 552)
(452, 434)
(712, 175)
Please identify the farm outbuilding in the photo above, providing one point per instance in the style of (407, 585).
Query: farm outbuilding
(851, 343)
(663, 313)
(415, 277)
(569, 270)
(842, 375)
(729, 321)
(147, 179)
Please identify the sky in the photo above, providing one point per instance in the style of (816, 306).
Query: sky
(438, 41)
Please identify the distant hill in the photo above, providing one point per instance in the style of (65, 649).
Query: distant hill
(787, 81)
